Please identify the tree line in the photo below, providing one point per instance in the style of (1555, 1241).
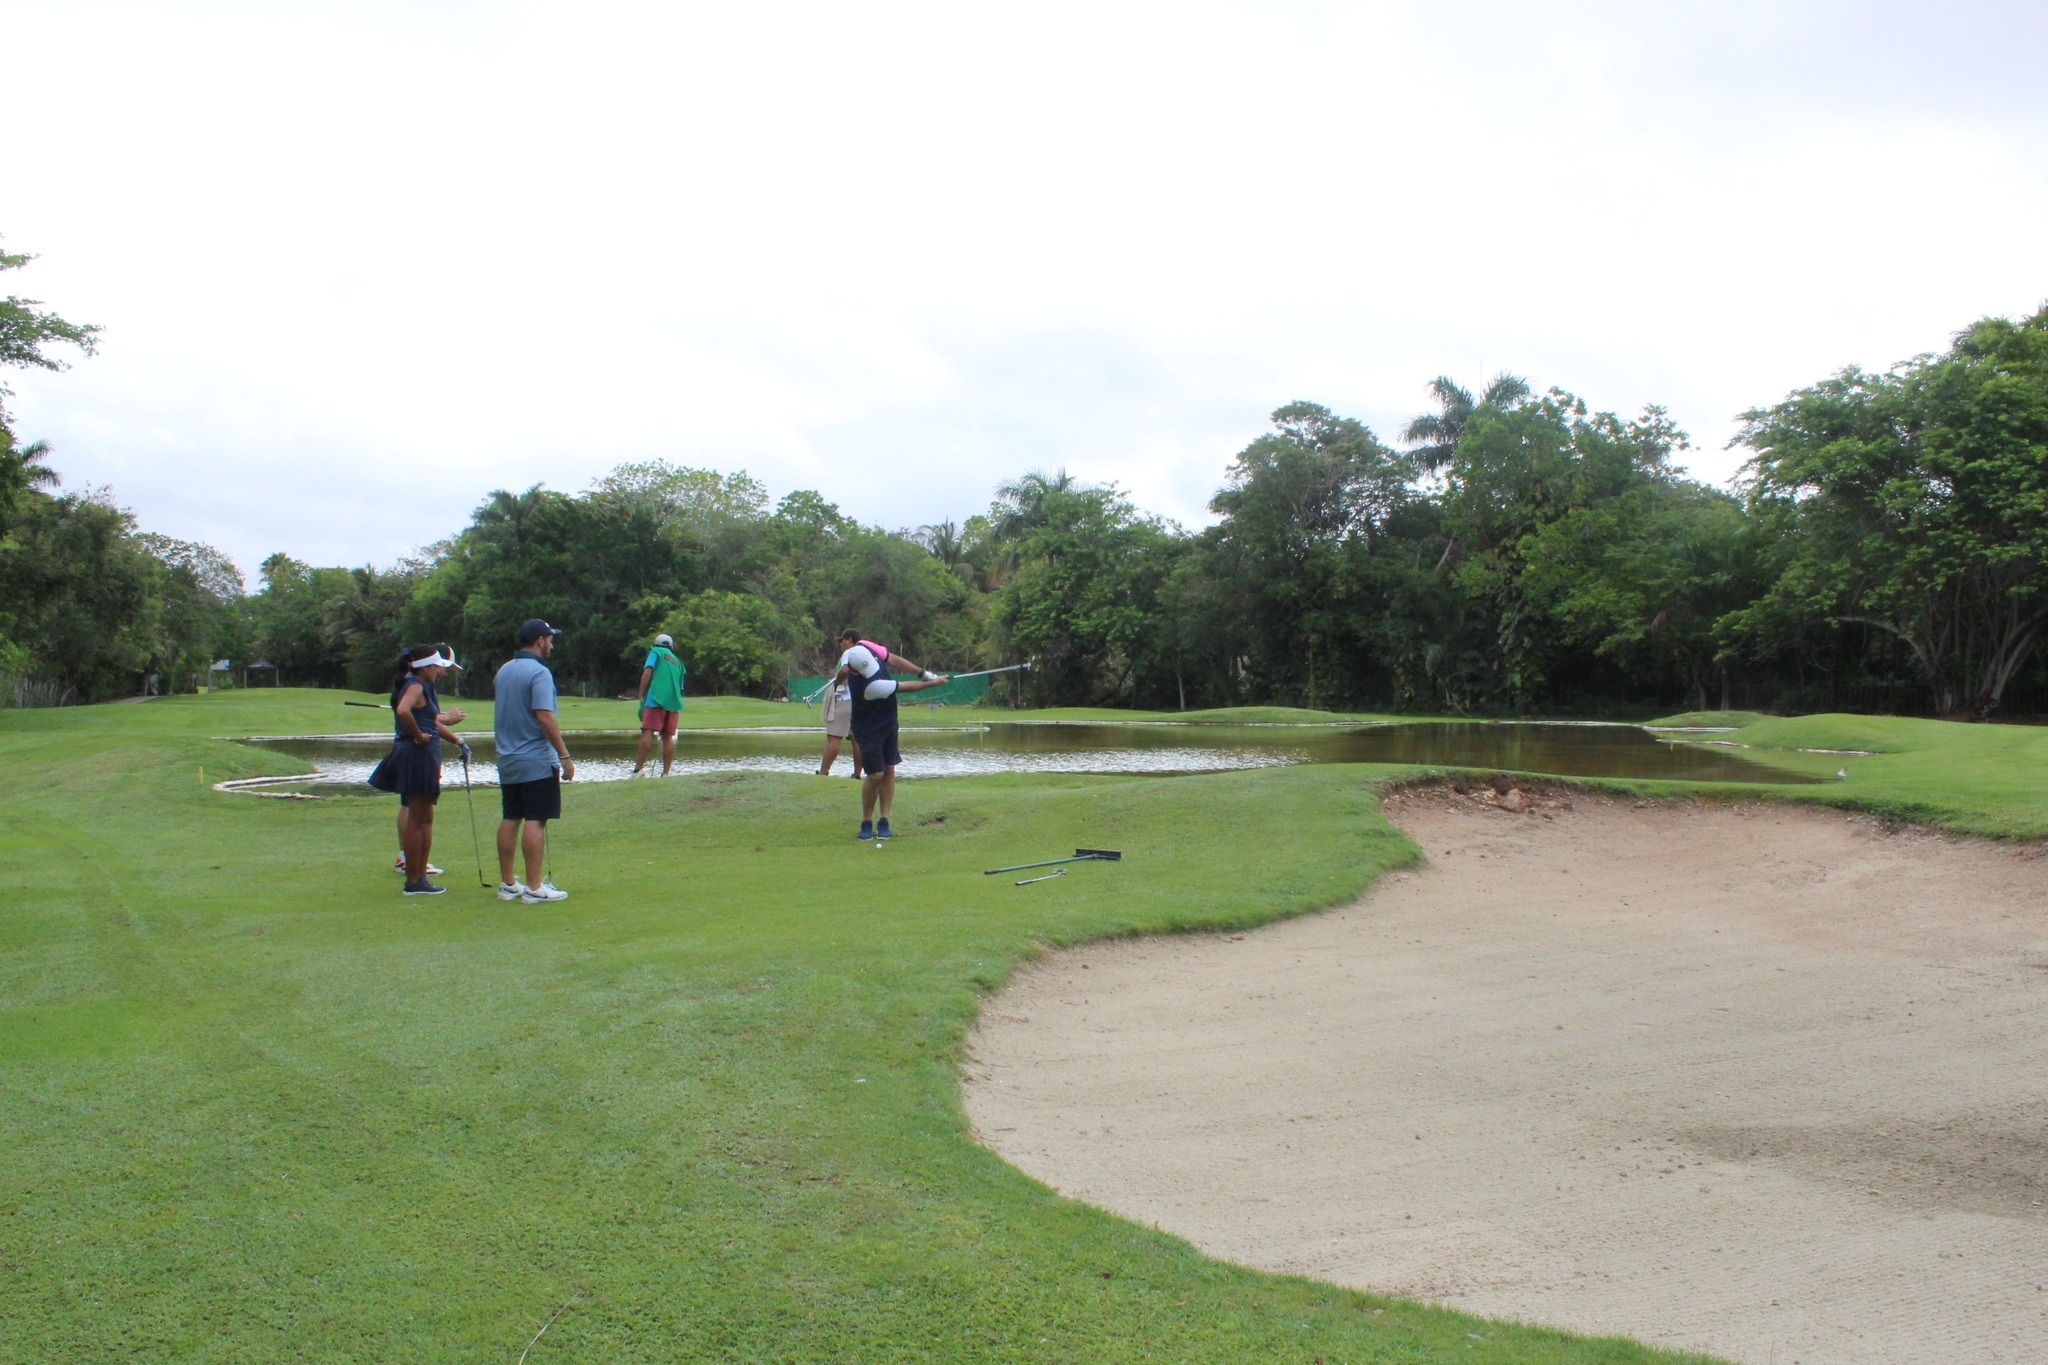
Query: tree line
(1512, 552)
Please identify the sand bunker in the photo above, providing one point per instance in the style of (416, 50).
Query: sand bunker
(1766, 1082)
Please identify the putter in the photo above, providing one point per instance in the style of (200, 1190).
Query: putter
(1046, 878)
(1081, 855)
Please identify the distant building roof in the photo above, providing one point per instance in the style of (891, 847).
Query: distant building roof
(263, 663)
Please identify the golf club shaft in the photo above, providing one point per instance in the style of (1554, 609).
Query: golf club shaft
(475, 843)
(372, 705)
(986, 672)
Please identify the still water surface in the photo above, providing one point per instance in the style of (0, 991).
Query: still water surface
(1557, 750)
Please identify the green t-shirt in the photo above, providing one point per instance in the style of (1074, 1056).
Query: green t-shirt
(665, 688)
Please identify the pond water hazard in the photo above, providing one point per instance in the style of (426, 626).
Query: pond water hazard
(1557, 750)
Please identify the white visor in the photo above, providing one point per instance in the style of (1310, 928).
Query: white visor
(434, 660)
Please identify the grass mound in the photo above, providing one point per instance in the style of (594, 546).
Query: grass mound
(1711, 718)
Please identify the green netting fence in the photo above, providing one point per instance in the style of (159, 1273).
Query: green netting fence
(965, 692)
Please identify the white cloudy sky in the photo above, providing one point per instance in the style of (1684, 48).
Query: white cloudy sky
(359, 264)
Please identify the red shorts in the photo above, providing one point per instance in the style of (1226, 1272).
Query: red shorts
(653, 718)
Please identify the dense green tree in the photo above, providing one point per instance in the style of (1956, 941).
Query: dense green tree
(290, 622)
(887, 587)
(1299, 504)
(26, 331)
(81, 595)
(26, 334)
(1517, 472)
(733, 643)
(1915, 502)
(1084, 597)
(363, 624)
(1644, 579)
(201, 617)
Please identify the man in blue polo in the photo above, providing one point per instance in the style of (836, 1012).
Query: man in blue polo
(533, 763)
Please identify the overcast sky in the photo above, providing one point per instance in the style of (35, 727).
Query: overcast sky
(360, 264)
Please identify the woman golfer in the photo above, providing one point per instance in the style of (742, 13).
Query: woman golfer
(413, 767)
(453, 715)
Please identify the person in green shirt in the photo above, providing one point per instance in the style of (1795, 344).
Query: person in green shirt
(661, 703)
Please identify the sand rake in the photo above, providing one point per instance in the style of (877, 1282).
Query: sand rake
(1081, 855)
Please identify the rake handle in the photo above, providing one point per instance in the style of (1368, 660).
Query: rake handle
(1053, 862)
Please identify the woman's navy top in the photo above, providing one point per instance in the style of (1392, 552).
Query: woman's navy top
(427, 713)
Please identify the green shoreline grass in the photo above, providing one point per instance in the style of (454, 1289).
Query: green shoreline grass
(258, 1106)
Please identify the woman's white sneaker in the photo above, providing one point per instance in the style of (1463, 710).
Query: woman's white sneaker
(546, 891)
(509, 891)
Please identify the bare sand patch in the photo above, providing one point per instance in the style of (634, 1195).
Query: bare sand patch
(1763, 1081)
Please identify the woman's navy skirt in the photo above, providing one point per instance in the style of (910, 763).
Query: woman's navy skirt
(410, 770)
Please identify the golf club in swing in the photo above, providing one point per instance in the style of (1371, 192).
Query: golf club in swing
(987, 672)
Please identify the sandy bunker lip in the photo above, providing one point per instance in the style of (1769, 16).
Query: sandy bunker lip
(1764, 1081)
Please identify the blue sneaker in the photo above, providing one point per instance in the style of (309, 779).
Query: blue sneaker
(882, 828)
(423, 887)
(867, 829)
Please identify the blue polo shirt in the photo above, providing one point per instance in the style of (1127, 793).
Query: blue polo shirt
(523, 687)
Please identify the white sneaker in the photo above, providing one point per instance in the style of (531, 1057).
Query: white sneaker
(432, 871)
(546, 891)
(509, 891)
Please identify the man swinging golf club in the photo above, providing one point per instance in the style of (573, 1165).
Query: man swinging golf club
(864, 667)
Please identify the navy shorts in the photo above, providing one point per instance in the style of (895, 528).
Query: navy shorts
(878, 750)
(540, 799)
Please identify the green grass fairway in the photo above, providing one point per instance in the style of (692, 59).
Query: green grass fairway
(1974, 779)
(259, 1107)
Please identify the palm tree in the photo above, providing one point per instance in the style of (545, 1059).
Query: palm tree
(1021, 505)
(22, 469)
(943, 540)
(34, 472)
(1433, 437)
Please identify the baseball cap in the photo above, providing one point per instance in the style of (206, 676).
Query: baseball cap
(664, 640)
(534, 629)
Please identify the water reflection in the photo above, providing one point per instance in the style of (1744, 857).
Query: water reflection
(1556, 750)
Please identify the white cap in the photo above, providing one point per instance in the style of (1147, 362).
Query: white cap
(663, 640)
